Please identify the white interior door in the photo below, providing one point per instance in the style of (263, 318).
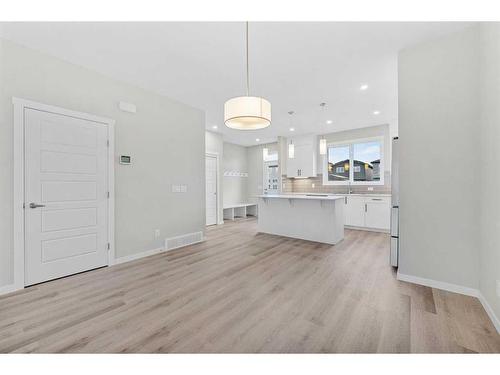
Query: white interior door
(65, 194)
(211, 189)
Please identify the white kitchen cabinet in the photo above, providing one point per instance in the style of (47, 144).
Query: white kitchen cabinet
(355, 211)
(377, 213)
(368, 212)
(303, 164)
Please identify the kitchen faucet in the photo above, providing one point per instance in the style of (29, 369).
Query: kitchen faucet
(349, 190)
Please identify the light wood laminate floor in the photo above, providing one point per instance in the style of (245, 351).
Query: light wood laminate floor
(246, 292)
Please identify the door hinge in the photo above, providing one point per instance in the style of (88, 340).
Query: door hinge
(109, 246)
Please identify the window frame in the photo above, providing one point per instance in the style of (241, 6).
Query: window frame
(351, 143)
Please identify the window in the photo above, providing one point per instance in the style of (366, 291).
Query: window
(357, 162)
(338, 163)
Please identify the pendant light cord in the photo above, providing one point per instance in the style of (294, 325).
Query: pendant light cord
(248, 74)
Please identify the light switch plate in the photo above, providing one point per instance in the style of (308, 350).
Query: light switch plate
(157, 233)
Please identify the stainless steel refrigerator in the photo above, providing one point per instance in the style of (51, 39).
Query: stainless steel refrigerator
(395, 204)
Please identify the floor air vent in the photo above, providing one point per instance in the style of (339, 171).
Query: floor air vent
(184, 240)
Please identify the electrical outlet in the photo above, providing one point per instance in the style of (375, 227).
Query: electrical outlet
(157, 233)
(313, 185)
(498, 288)
(370, 188)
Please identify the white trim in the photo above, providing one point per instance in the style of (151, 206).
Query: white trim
(6, 289)
(494, 319)
(455, 289)
(129, 258)
(380, 139)
(368, 229)
(18, 184)
(111, 189)
(217, 172)
(439, 285)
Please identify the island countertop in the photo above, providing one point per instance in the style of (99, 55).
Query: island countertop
(301, 196)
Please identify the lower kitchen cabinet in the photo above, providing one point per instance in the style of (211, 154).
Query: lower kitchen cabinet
(377, 213)
(355, 211)
(370, 212)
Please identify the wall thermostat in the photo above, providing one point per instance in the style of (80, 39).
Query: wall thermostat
(125, 159)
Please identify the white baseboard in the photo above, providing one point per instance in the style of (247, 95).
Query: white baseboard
(367, 229)
(439, 285)
(129, 258)
(455, 289)
(490, 312)
(6, 289)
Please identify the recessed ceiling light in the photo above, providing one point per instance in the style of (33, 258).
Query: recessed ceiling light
(363, 87)
(214, 127)
(257, 139)
(376, 112)
(292, 129)
(329, 122)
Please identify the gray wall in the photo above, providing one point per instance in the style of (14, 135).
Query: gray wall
(215, 145)
(490, 160)
(166, 140)
(234, 159)
(439, 159)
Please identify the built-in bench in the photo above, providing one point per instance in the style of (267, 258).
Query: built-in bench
(239, 210)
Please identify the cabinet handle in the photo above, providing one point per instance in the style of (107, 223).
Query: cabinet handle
(376, 199)
(366, 207)
(345, 198)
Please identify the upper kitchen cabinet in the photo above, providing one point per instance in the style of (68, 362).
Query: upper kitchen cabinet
(304, 161)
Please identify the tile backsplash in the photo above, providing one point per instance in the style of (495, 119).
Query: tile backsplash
(305, 185)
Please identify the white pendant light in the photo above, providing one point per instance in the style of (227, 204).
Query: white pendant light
(291, 150)
(322, 146)
(322, 141)
(247, 112)
(291, 147)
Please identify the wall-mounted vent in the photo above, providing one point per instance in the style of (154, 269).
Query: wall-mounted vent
(184, 240)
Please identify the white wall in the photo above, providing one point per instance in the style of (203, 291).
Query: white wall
(215, 145)
(439, 159)
(490, 161)
(235, 159)
(166, 140)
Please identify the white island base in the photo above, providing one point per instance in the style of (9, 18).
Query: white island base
(312, 218)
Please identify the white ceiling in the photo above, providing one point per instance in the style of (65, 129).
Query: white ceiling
(295, 65)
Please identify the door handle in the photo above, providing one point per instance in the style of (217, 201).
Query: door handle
(34, 205)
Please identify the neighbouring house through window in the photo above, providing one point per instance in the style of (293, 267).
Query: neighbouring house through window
(357, 162)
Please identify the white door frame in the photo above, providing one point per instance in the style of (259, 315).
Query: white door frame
(217, 201)
(18, 189)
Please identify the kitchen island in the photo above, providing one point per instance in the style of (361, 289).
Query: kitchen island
(312, 217)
